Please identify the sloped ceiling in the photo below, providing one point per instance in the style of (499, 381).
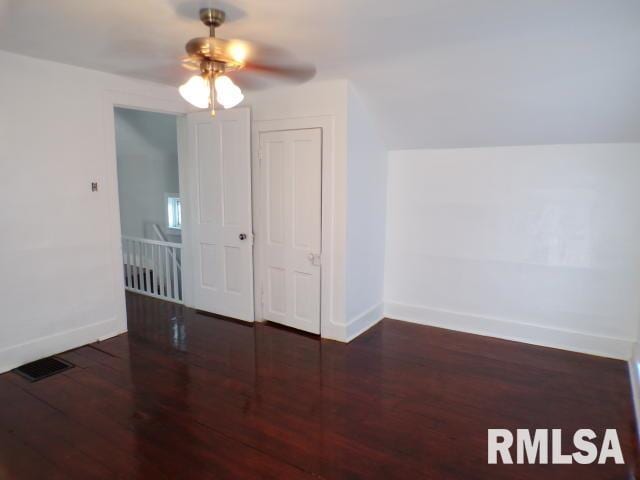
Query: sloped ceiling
(435, 73)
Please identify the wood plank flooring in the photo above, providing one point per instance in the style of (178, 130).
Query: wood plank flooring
(189, 396)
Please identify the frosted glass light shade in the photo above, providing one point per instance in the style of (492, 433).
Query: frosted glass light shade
(228, 93)
(196, 91)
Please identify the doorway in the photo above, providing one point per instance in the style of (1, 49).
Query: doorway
(150, 202)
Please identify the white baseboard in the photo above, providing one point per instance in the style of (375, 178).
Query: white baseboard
(634, 374)
(364, 321)
(521, 332)
(17, 355)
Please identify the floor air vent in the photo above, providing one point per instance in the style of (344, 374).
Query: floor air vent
(43, 368)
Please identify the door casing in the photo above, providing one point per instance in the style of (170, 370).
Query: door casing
(149, 103)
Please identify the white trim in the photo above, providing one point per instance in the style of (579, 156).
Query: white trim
(364, 321)
(510, 330)
(17, 355)
(328, 327)
(111, 100)
(167, 196)
(187, 261)
(634, 374)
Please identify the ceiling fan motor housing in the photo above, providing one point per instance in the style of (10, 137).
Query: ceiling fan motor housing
(212, 68)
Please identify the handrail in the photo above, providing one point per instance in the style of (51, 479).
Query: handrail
(158, 232)
(153, 242)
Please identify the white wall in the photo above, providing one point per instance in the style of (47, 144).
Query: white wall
(58, 283)
(533, 243)
(147, 151)
(366, 208)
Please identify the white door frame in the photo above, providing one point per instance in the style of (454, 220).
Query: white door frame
(326, 123)
(109, 184)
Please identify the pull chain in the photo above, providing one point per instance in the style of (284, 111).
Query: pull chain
(212, 94)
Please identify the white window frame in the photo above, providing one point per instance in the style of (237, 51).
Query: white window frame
(167, 196)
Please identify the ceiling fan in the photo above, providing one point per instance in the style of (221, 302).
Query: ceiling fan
(215, 57)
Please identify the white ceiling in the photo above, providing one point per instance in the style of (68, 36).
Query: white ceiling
(435, 73)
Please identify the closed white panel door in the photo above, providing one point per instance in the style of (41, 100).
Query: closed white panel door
(291, 166)
(221, 237)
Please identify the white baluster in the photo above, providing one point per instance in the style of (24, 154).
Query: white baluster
(176, 291)
(136, 277)
(124, 263)
(167, 276)
(145, 264)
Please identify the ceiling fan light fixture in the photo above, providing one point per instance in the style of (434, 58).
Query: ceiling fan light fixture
(196, 91)
(228, 94)
(216, 57)
(238, 51)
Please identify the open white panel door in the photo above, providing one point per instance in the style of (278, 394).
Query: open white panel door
(291, 169)
(219, 193)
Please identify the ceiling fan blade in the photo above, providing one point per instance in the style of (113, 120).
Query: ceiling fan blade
(255, 65)
(248, 81)
(265, 64)
(256, 76)
(191, 63)
(293, 73)
(170, 72)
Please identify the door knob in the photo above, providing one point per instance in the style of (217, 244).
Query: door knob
(242, 236)
(314, 259)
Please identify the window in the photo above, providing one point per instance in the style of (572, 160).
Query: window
(174, 211)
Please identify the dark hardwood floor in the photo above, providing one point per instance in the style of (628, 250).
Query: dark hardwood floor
(189, 396)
